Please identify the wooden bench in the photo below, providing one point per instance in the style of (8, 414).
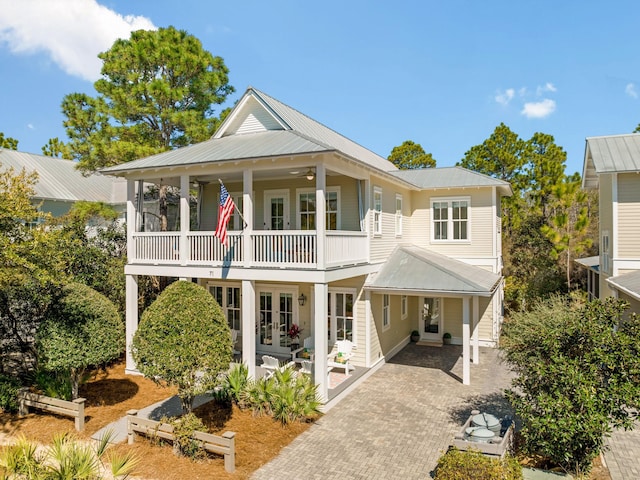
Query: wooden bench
(74, 408)
(222, 445)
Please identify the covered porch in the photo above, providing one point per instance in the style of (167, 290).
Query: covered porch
(414, 271)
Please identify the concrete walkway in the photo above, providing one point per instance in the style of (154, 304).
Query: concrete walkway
(398, 421)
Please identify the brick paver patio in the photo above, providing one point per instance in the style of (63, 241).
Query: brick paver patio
(397, 422)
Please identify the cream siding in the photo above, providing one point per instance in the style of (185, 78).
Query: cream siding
(453, 318)
(629, 216)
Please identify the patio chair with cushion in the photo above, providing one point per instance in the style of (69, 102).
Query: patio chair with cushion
(303, 353)
(341, 356)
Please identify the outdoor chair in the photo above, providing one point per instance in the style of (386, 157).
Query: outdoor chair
(303, 353)
(341, 356)
(272, 364)
(306, 367)
(234, 338)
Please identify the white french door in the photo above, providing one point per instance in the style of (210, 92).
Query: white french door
(277, 309)
(431, 319)
(276, 210)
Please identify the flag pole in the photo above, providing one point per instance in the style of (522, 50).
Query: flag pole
(237, 209)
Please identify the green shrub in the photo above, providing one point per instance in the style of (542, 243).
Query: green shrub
(235, 384)
(54, 384)
(9, 388)
(473, 465)
(184, 444)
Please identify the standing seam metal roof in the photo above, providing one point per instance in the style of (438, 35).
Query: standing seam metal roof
(615, 153)
(628, 282)
(449, 177)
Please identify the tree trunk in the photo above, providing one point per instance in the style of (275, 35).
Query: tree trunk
(186, 401)
(75, 382)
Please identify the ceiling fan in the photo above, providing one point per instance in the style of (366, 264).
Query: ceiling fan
(310, 174)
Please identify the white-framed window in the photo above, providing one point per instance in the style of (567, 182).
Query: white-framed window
(235, 222)
(398, 215)
(386, 312)
(341, 314)
(451, 219)
(377, 211)
(606, 254)
(306, 208)
(404, 306)
(228, 297)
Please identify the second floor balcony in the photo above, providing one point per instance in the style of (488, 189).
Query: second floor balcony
(298, 249)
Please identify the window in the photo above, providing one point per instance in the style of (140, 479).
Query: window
(604, 248)
(341, 319)
(404, 310)
(386, 312)
(307, 209)
(398, 215)
(229, 299)
(377, 211)
(450, 219)
(236, 222)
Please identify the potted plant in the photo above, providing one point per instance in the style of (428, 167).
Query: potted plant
(294, 335)
(446, 338)
(415, 336)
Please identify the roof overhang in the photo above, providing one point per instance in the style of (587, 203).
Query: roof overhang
(628, 283)
(592, 263)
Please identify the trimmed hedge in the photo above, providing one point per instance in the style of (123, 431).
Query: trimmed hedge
(473, 465)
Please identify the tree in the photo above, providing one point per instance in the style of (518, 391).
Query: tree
(8, 142)
(156, 93)
(56, 148)
(82, 330)
(545, 168)
(410, 156)
(568, 225)
(183, 340)
(578, 375)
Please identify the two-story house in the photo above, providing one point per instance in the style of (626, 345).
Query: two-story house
(328, 236)
(612, 167)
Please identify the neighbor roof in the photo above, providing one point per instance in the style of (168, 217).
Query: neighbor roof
(411, 269)
(58, 179)
(627, 282)
(590, 262)
(450, 177)
(261, 126)
(610, 154)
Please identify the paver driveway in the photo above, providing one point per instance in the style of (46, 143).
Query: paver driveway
(397, 422)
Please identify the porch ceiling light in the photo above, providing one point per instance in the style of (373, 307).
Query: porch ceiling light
(311, 175)
(302, 299)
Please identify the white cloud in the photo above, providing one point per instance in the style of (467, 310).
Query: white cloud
(505, 97)
(630, 90)
(71, 33)
(539, 109)
(547, 87)
(30, 126)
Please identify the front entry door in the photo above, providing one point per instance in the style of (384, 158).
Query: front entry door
(431, 319)
(277, 308)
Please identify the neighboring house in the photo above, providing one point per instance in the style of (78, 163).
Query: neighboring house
(60, 184)
(612, 167)
(336, 240)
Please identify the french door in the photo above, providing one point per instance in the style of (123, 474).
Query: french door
(276, 210)
(277, 309)
(431, 319)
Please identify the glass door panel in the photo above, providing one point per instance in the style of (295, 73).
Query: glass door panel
(431, 319)
(265, 336)
(286, 319)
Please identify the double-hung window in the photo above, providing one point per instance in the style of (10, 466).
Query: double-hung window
(398, 215)
(450, 219)
(229, 299)
(386, 312)
(377, 211)
(307, 209)
(341, 320)
(606, 255)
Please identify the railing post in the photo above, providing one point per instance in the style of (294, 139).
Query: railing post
(230, 458)
(79, 420)
(131, 435)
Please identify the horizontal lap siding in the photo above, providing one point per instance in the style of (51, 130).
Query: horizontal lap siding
(453, 317)
(629, 216)
(383, 245)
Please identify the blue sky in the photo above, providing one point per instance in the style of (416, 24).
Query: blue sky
(443, 74)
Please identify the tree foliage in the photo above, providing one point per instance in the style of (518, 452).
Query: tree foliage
(8, 142)
(411, 156)
(183, 340)
(82, 330)
(56, 148)
(578, 375)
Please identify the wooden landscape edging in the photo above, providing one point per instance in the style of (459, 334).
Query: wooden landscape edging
(74, 408)
(222, 445)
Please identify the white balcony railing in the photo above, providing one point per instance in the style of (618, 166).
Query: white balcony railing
(290, 248)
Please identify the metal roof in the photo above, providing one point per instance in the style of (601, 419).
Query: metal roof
(610, 154)
(590, 262)
(450, 177)
(301, 135)
(58, 179)
(628, 283)
(412, 269)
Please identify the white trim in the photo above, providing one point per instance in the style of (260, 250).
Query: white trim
(613, 239)
(438, 306)
(496, 237)
(367, 328)
(332, 314)
(404, 306)
(626, 264)
(224, 305)
(605, 251)
(449, 201)
(377, 214)
(398, 215)
(335, 189)
(269, 194)
(386, 312)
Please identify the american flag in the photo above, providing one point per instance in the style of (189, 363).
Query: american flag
(224, 214)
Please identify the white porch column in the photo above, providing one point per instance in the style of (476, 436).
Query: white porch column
(249, 326)
(367, 328)
(131, 320)
(320, 291)
(247, 213)
(476, 330)
(131, 220)
(466, 367)
(367, 218)
(321, 216)
(185, 218)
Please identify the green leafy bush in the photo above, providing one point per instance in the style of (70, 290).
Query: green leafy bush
(54, 384)
(9, 388)
(184, 443)
(235, 384)
(473, 465)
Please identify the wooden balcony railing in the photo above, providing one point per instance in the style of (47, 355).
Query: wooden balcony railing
(290, 248)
